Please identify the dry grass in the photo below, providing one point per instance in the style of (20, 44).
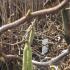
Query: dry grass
(47, 26)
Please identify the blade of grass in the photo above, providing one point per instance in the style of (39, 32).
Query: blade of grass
(27, 53)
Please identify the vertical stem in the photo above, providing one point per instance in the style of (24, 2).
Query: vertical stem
(24, 66)
(29, 59)
(27, 53)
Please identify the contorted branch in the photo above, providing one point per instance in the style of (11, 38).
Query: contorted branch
(33, 14)
(52, 61)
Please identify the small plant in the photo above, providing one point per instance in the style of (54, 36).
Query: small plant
(54, 67)
(27, 53)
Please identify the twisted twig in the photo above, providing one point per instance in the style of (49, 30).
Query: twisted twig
(33, 14)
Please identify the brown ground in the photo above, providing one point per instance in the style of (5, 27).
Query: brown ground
(47, 27)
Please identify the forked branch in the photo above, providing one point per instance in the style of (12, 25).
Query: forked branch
(33, 14)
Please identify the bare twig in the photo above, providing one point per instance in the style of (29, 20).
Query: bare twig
(52, 61)
(33, 14)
